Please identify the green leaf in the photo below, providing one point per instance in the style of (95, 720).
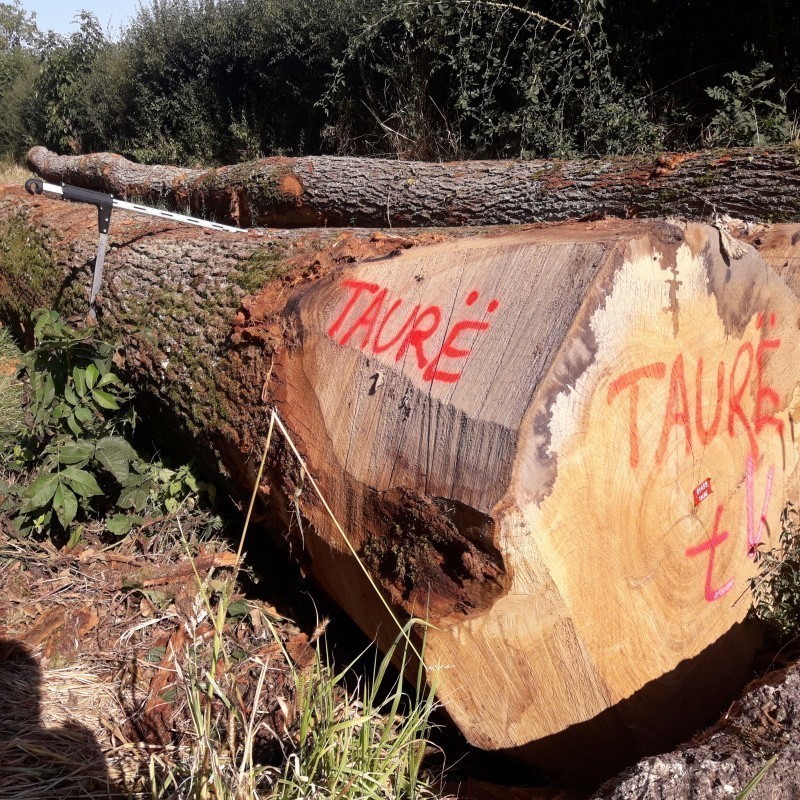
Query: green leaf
(70, 396)
(60, 411)
(75, 536)
(92, 374)
(76, 452)
(115, 454)
(79, 379)
(108, 378)
(756, 779)
(238, 609)
(41, 491)
(120, 524)
(134, 479)
(105, 400)
(65, 505)
(84, 415)
(134, 497)
(83, 482)
(49, 391)
(74, 425)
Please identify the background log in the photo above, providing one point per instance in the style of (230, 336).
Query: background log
(725, 758)
(762, 184)
(517, 430)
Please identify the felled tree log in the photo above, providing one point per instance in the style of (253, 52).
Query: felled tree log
(561, 445)
(763, 725)
(281, 192)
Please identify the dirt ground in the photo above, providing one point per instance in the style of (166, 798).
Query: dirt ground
(96, 643)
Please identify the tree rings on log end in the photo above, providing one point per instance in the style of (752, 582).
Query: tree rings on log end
(563, 446)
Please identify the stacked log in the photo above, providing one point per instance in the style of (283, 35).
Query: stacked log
(329, 191)
(562, 445)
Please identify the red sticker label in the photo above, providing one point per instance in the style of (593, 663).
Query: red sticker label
(702, 491)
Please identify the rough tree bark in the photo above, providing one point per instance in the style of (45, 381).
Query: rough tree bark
(761, 183)
(561, 444)
(764, 724)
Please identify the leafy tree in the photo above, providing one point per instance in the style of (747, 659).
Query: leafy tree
(18, 29)
(59, 88)
(751, 111)
(19, 36)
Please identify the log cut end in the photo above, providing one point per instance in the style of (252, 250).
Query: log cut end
(563, 447)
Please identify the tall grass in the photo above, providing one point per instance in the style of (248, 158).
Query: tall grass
(10, 390)
(338, 743)
(12, 173)
(358, 744)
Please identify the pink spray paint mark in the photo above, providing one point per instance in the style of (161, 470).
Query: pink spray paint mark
(748, 493)
(710, 546)
(754, 535)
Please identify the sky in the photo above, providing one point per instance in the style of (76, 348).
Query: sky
(57, 15)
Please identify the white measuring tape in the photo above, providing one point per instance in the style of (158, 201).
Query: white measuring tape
(105, 204)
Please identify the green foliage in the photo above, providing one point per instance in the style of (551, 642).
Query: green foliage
(776, 589)
(193, 81)
(364, 744)
(73, 454)
(73, 383)
(18, 27)
(455, 78)
(61, 108)
(10, 392)
(16, 106)
(219, 82)
(78, 413)
(19, 37)
(157, 489)
(750, 111)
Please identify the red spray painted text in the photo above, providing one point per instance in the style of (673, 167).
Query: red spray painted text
(367, 322)
(732, 382)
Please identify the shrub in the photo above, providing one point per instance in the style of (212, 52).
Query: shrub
(77, 413)
(73, 456)
(456, 78)
(60, 110)
(750, 111)
(776, 590)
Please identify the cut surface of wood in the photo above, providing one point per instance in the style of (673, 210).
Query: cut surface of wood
(331, 191)
(563, 447)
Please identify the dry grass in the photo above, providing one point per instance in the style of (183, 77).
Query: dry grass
(51, 742)
(99, 650)
(138, 669)
(13, 173)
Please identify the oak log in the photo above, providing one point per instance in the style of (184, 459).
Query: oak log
(754, 183)
(560, 444)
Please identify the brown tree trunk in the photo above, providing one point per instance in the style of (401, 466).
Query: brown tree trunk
(762, 184)
(559, 444)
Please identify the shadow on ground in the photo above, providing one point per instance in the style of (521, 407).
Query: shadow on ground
(37, 761)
